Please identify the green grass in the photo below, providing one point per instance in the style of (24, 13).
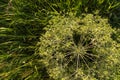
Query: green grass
(22, 23)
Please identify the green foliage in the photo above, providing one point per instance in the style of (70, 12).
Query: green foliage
(18, 37)
(21, 26)
(79, 48)
(26, 19)
(32, 7)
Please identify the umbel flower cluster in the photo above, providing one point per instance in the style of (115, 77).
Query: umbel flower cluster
(79, 48)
